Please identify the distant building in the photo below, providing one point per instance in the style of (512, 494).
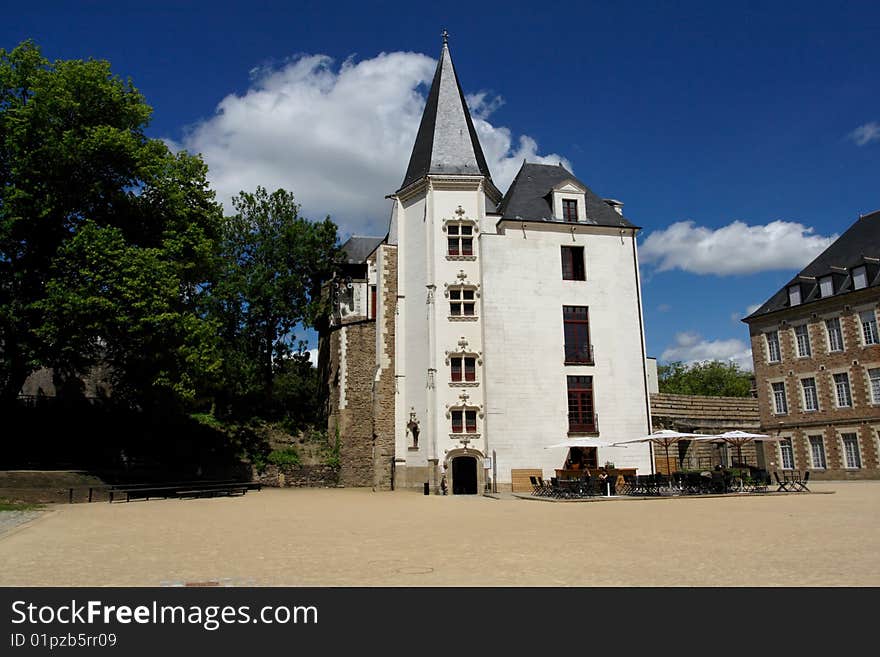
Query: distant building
(709, 415)
(484, 328)
(816, 349)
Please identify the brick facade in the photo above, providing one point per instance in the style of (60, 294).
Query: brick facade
(830, 420)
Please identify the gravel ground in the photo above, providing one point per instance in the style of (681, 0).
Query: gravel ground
(12, 519)
(354, 537)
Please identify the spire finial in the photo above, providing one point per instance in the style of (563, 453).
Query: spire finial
(445, 36)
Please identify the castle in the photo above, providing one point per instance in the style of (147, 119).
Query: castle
(484, 328)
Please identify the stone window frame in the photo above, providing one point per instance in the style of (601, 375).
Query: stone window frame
(789, 439)
(821, 438)
(463, 287)
(464, 382)
(462, 352)
(803, 394)
(836, 398)
(841, 443)
(773, 409)
(464, 408)
(767, 346)
(797, 344)
(472, 256)
(828, 334)
(876, 331)
(866, 369)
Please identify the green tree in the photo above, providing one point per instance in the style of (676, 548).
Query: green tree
(107, 239)
(714, 378)
(275, 262)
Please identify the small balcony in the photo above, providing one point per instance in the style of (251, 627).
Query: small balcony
(580, 355)
(583, 425)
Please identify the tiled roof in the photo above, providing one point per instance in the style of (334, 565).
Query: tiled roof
(858, 246)
(529, 197)
(446, 141)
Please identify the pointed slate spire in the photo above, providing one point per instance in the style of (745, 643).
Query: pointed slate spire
(446, 141)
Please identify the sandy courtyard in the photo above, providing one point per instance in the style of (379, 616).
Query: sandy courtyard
(353, 537)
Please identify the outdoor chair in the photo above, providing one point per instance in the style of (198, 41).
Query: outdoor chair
(544, 489)
(781, 484)
(800, 485)
(536, 489)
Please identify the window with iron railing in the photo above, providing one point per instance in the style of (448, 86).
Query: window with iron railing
(576, 330)
(581, 412)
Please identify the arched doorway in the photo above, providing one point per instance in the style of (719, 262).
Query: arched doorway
(464, 475)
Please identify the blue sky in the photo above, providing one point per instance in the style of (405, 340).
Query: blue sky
(758, 123)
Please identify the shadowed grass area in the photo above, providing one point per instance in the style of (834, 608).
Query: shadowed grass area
(7, 505)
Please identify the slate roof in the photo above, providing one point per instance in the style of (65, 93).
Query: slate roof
(529, 197)
(859, 245)
(357, 249)
(446, 141)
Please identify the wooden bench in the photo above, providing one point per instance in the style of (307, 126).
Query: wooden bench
(183, 489)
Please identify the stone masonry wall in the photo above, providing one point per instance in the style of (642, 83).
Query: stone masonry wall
(351, 407)
(295, 476)
(386, 385)
(703, 414)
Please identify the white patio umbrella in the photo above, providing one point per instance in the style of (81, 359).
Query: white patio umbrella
(583, 442)
(739, 438)
(665, 438)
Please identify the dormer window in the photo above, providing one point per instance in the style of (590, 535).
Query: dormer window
(794, 295)
(569, 202)
(826, 286)
(860, 278)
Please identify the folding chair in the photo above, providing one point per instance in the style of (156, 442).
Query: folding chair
(800, 485)
(782, 486)
(536, 489)
(544, 489)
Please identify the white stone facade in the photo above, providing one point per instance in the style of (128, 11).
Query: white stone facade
(493, 307)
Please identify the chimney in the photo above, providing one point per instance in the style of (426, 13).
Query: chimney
(614, 203)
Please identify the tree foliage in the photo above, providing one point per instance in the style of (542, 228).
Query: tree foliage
(714, 378)
(107, 239)
(274, 263)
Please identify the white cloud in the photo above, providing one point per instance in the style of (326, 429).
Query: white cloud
(664, 308)
(866, 133)
(313, 357)
(733, 249)
(690, 347)
(339, 137)
(737, 316)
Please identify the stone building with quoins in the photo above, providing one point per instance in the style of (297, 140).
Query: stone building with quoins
(816, 350)
(484, 327)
